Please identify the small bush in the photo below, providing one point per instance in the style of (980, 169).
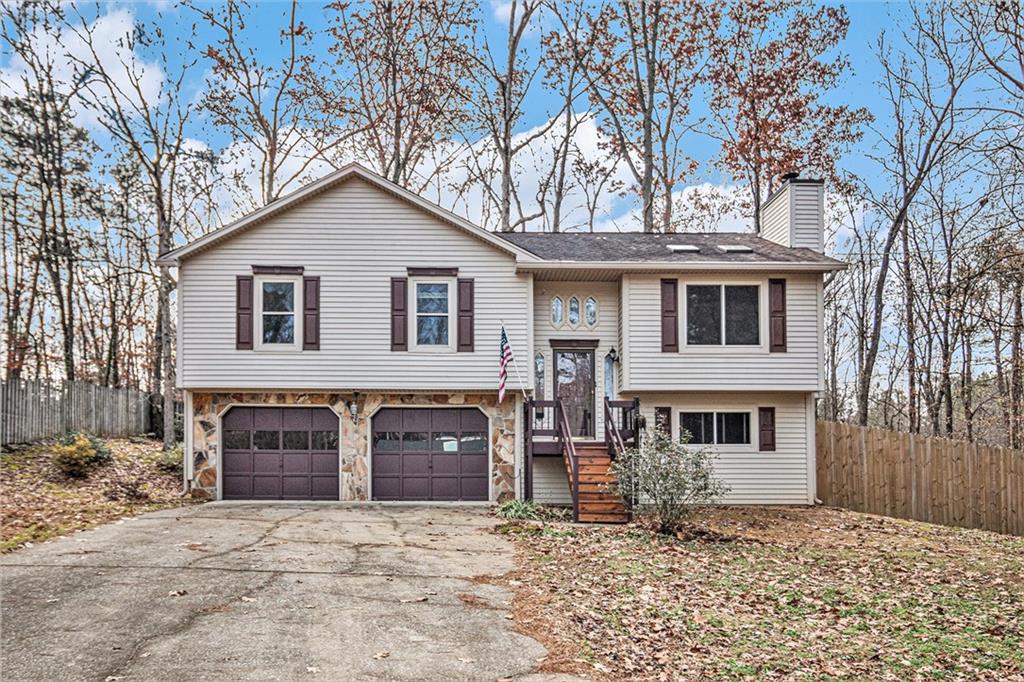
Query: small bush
(78, 453)
(668, 476)
(170, 461)
(520, 510)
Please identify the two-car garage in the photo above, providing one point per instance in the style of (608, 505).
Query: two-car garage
(417, 454)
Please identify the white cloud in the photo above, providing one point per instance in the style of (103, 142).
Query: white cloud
(63, 48)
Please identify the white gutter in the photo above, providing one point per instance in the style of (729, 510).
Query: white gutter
(664, 266)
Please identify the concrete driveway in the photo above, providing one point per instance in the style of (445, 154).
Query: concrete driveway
(266, 592)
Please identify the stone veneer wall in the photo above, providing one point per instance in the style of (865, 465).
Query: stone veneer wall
(354, 459)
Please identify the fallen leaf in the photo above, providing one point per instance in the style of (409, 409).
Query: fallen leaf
(381, 655)
(413, 601)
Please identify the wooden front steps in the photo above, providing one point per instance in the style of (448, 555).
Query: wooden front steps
(597, 503)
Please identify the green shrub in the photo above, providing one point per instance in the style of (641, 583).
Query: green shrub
(667, 476)
(520, 510)
(76, 454)
(170, 461)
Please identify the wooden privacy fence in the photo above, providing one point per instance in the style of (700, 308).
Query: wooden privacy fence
(907, 476)
(34, 410)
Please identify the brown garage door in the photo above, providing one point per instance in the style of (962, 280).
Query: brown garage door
(430, 454)
(273, 453)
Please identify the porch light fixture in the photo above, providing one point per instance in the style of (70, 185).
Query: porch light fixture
(353, 408)
(614, 355)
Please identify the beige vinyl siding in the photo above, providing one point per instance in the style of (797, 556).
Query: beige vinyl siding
(808, 209)
(780, 477)
(775, 219)
(722, 368)
(606, 332)
(355, 237)
(550, 484)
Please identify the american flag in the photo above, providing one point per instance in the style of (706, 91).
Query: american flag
(505, 353)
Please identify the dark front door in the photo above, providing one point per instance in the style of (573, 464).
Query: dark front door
(574, 386)
(280, 453)
(430, 454)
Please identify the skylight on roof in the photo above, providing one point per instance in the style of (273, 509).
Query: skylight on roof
(735, 248)
(683, 248)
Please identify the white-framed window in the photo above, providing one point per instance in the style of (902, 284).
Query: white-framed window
(590, 311)
(278, 300)
(723, 314)
(432, 302)
(574, 312)
(716, 427)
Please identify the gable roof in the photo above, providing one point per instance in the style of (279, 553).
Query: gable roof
(352, 170)
(740, 250)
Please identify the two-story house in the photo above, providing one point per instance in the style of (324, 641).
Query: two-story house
(342, 343)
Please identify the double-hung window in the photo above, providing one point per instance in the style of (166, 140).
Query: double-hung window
(715, 428)
(278, 300)
(718, 314)
(432, 303)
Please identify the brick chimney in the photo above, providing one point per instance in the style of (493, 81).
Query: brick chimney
(794, 214)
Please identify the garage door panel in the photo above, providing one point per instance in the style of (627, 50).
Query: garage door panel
(295, 487)
(474, 488)
(415, 464)
(445, 464)
(387, 488)
(237, 486)
(266, 463)
(445, 488)
(387, 464)
(238, 418)
(473, 420)
(324, 463)
(280, 453)
(415, 488)
(266, 487)
(415, 420)
(295, 463)
(474, 464)
(239, 462)
(266, 418)
(324, 487)
(295, 418)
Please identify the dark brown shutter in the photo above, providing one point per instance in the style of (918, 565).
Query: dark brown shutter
(243, 312)
(663, 420)
(669, 316)
(310, 313)
(777, 315)
(766, 429)
(399, 313)
(465, 322)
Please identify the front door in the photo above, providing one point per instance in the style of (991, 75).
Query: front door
(574, 386)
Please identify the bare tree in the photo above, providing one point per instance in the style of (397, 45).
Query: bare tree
(400, 71)
(152, 129)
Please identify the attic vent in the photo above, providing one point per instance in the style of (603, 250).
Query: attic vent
(735, 248)
(683, 248)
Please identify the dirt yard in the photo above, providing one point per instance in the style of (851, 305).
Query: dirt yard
(38, 502)
(773, 593)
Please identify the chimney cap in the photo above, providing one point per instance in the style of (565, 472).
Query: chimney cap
(792, 175)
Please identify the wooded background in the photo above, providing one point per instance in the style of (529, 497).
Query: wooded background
(923, 331)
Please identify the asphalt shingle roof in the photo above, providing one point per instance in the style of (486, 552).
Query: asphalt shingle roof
(641, 247)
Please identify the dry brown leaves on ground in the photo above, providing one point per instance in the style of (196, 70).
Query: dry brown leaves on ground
(774, 593)
(40, 503)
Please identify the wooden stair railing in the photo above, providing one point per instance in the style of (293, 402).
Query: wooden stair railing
(588, 468)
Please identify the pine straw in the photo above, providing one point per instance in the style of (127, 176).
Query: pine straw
(773, 593)
(39, 503)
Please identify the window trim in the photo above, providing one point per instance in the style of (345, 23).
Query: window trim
(762, 306)
(753, 426)
(297, 308)
(414, 314)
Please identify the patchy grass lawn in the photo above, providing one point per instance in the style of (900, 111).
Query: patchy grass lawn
(778, 592)
(39, 503)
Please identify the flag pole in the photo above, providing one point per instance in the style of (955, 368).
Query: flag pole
(515, 363)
